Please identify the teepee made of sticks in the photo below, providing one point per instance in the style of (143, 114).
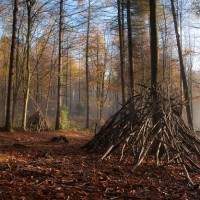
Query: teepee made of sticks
(38, 122)
(130, 131)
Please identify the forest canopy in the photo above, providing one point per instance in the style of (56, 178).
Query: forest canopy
(94, 76)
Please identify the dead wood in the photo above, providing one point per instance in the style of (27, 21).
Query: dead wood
(59, 139)
(37, 122)
(130, 131)
(20, 146)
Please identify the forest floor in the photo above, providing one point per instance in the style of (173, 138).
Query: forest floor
(42, 169)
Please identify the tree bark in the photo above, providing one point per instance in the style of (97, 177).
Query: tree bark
(182, 68)
(9, 124)
(70, 85)
(103, 96)
(130, 50)
(51, 77)
(121, 53)
(67, 76)
(29, 4)
(87, 68)
(79, 77)
(154, 47)
(154, 57)
(59, 91)
(18, 76)
(98, 78)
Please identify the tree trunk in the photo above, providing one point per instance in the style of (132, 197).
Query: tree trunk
(50, 79)
(79, 77)
(130, 50)
(59, 92)
(182, 68)
(20, 71)
(179, 26)
(9, 124)
(164, 41)
(70, 85)
(121, 53)
(154, 55)
(98, 78)
(103, 97)
(37, 85)
(67, 75)
(190, 77)
(28, 38)
(87, 69)
(18, 76)
(154, 47)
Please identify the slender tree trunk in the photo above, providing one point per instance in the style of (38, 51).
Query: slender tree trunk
(142, 60)
(18, 76)
(98, 78)
(190, 78)
(154, 47)
(70, 86)
(79, 77)
(37, 83)
(67, 75)
(5, 91)
(164, 40)
(59, 92)
(50, 80)
(87, 69)
(130, 50)
(182, 68)
(9, 124)
(28, 38)
(190, 84)
(121, 53)
(154, 54)
(102, 97)
(102, 94)
(179, 26)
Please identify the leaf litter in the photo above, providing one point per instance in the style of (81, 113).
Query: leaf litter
(46, 170)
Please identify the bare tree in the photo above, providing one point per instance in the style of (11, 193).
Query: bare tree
(59, 91)
(87, 67)
(29, 5)
(9, 124)
(121, 52)
(130, 49)
(182, 68)
(154, 52)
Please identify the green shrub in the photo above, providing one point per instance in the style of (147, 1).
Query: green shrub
(65, 125)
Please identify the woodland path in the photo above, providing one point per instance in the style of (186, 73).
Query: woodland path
(45, 170)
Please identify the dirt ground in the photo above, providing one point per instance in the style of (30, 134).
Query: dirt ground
(33, 167)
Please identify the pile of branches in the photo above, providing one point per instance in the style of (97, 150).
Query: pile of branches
(131, 132)
(37, 122)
